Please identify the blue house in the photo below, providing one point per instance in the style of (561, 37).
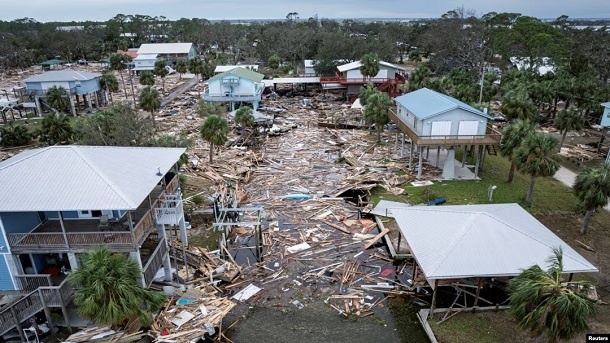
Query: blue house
(606, 116)
(59, 201)
(430, 118)
(236, 85)
(76, 83)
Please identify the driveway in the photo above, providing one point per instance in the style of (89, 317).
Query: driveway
(568, 177)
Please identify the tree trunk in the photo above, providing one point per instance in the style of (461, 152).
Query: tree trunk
(530, 190)
(511, 172)
(163, 84)
(585, 221)
(211, 152)
(563, 138)
(124, 89)
(379, 134)
(152, 117)
(133, 92)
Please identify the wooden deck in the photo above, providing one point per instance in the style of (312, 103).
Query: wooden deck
(83, 234)
(492, 137)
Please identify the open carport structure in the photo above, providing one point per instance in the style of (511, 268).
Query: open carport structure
(466, 245)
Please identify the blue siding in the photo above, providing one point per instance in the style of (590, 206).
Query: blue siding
(606, 117)
(33, 85)
(40, 261)
(6, 283)
(66, 214)
(88, 86)
(20, 222)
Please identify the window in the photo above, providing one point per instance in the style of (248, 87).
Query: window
(77, 83)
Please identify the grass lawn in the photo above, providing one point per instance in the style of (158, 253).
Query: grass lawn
(555, 206)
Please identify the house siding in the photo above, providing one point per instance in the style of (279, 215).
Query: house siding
(244, 87)
(6, 281)
(455, 116)
(606, 117)
(20, 222)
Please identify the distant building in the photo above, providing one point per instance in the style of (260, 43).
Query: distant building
(545, 65)
(74, 82)
(144, 62)
(171, 52)
(235, 85)
(222, 69)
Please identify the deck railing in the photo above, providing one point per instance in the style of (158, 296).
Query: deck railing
(30, 282)
(154, 262)
(32, 303)
(491, 137)
(118, 240)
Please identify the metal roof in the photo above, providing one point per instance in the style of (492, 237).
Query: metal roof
(146, 57)
(165, 48)
(239, 72)
(425, 103)
(481, 241)
(52, 62)
(606, 104)
(358, 64)
(68, 178)
(63, 76)
(222, 69)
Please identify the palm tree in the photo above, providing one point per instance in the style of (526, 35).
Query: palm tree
(544, 303)
(56, 128)
(517, 104)
(149, 101)
(512, 137)
(147, 78)
(214, 130)
(592, 188)
(161, 71)
(181, 67)
(109, 83)
(244, 117)
(370, 65)
(537, 157)
(57, 98)
(420, 77)
(568, 120)
(108, 290)
(117, 62)
(366, 91)
(376, 110)
(195, 66)
(12, 135)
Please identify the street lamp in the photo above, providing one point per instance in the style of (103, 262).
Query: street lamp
(490, 191)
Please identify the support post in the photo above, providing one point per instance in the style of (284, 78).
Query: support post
(433, 303)
(476, 166)
(63, 229)
(47, 313)
(64, 311)
(427, 152)
(396, 141)
(410, 154)
(420, 162)
(465, 150)
(402, 148)
(438, 155)
(17, 324)
(476, 298)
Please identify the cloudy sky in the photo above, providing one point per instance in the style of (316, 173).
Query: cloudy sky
(68, 10)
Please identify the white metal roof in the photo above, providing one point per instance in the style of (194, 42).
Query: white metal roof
(222, 69)
(141, 57)
(481, 241)
(165, 48)
(358, 64)
(63, 76)
(68, 178)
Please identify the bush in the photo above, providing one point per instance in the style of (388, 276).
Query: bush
(197, 199)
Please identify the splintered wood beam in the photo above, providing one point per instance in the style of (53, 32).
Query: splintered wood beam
(374, 240)
(344, 230)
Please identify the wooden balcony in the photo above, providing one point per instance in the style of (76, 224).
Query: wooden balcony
(492, 137)
(34, 302)
(83, 234)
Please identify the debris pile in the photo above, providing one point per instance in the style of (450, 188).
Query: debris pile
(104, 334)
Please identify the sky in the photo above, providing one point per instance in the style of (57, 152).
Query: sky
(96, 10)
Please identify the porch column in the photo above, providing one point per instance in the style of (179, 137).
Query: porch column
(131, 224)
(410, 153)
(433, 303)
(136, 257)
(63, 229)
(449, 167)
(255, 104)
(476, 166)
(420, 162)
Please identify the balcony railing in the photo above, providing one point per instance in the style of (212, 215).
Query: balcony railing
(33, 303)
(82, 241)
(30, 282)
(154, 262)
(491, 137)
(170, 212)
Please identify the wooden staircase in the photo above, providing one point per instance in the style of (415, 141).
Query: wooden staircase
(491, 150)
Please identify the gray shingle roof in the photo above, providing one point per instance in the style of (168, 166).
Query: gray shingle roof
(425, 103)
(63, 76)
(481, 241)
(65, 178)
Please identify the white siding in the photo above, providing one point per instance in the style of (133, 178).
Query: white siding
(468, 128)
(441, 128)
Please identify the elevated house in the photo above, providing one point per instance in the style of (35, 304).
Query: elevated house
(388, 79)
(470, 250)
(222, 69)
(606, 116)
(432, 119)
(76, 83)
(60, 201)
(171, 52)
(144, 62)
(236, 85)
